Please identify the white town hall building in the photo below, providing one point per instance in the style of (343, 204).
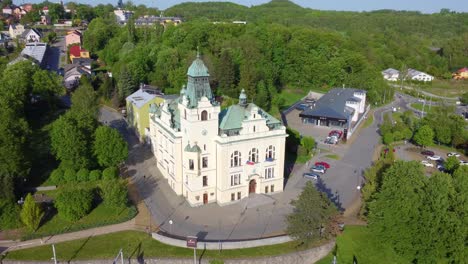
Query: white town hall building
(211, 155)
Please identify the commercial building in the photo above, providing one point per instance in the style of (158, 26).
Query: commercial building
(339, 108)
(213, 156)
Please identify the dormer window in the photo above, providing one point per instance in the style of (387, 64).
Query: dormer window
(204, 115)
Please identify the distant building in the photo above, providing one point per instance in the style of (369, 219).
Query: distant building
(86, 62)
(16, 30)
(45, 10)
(31, 35)
(73, 37)
(461, 74)
(4, 39)
(78, 52)
(416, 75)
(45, 20)
(137, 106)
(340, 108)
(8, 10)
(35, 52)
(391, 74)
(152, 20)
(122, 15)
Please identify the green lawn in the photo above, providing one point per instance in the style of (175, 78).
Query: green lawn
(357, 242)
(427, 109)
(290, 97)
(136, 244)
(333, 156)
(447, 88)
(99, 216)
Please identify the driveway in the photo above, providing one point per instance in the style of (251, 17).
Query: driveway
(253, 217)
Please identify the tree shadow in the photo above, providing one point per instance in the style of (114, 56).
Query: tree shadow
(202, 254)
(79, 249)
(333, 196)
(49, 213)
(138, 253)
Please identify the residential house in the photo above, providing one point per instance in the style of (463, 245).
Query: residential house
(137, 107)
(31, 35)
(213, 156)
(35, 52)
(78, 52)
(122, 15)
(27, 7)
(340, 108)
(73, 37)
(16, 30)
(45, 10)
(416, 75)
(461, 74)
(45, 20)
(86, 62)
(391, 74)
(73, 73)
(8, 9)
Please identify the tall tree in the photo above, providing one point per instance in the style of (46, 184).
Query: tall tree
(85, 108)
(263, 97)
(31, 214)
(424, 136)
(312, 215)
(109, 148)
(395, 214)
(226, 75)
(126, 83)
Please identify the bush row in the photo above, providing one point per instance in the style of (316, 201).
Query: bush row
(69, 175)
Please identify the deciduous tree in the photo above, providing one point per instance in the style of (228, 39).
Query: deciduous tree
(109, 147)
(31, 213)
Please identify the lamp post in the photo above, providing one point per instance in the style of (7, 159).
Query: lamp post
(170, 225)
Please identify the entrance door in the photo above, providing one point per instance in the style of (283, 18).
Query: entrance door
(252, 186)
(205, 198)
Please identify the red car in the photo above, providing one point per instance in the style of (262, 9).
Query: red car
(336, 133)
(322, 163)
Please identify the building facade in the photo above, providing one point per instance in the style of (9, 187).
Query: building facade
(213, 156)
(73, 37)
(416, 75)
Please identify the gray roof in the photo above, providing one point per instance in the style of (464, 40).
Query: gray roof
(82, 61)
(391, 71)
(333, 104)
(412, 72)
(26, 32)
(140, 98)
(194, 148)
(33, 51)
(74, 69)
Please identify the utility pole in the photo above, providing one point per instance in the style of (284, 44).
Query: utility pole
(55, 256)
(424, 104)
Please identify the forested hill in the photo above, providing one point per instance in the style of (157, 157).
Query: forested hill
(388, 38)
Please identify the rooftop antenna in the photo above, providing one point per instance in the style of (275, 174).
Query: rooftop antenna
(198, 52)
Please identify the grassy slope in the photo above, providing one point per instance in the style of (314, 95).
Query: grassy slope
(136, 244)
(356, 241)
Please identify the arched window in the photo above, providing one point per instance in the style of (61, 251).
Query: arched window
(270, 153)
(236, 159)
(253, 155)
(204, 115)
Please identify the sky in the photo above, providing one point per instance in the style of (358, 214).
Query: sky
(425, 6)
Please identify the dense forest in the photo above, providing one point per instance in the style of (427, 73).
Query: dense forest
(283, 47)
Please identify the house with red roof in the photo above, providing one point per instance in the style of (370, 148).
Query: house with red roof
(461, 74)
(78, 52)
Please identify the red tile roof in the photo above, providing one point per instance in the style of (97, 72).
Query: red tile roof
(76, 51)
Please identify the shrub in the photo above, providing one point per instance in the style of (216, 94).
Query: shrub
(95, 175)
(82, 175)
(114, 193)
(57, 176)
(69, 175)
(388, 138)
(9, 215)
(110, 173)
(73, 204)
(31, 214)
(301, 151)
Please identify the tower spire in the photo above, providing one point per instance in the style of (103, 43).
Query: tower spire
(198, 52)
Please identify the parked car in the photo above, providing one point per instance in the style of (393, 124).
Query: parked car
(311, 175)
(451, 154)
(336, 133)
(322, 163)
(435, 157)
(463, 162)
(331, 140)
(302, 107)
(427, 164)
(427, 153)
(319, 168)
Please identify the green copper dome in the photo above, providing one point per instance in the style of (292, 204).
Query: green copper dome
(198, 68)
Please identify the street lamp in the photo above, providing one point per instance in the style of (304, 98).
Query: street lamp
(170, 226)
